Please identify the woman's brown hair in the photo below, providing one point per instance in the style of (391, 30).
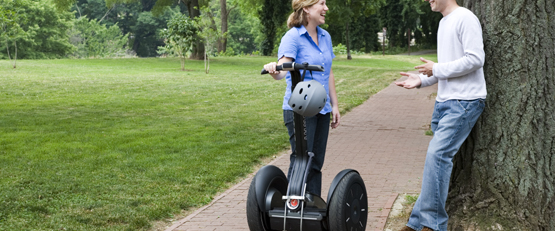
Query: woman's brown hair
(298, 17)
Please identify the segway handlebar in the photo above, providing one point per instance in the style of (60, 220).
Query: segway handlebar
(292, 66)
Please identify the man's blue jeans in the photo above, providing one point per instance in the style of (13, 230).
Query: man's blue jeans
(317, 130)
(452, 121)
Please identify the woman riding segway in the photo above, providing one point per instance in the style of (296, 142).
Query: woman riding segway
(275, 202)
(307, 42)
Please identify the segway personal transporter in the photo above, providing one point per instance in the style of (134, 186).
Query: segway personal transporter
(276, 203)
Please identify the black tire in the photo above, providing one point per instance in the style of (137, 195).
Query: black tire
(348, 209)
(257, 218)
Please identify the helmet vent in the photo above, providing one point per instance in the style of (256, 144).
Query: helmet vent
(305, 97)
(293, 105)
(300, 107)
(309, 86)
(300, 91)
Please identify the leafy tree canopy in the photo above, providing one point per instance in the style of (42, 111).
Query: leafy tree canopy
(44, 29)
(136, 19)
(244, 33)
(342, 11)
(399, 16)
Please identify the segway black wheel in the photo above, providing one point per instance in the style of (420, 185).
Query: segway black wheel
(268, 181)
(348, 209)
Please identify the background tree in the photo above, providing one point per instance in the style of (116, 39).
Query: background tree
(146, 38)
(9, 26)
(219, 12)
(180, 37)
(428, 22)
(244, 33)
(224, 17)
(399, 16)
(390, 15)
(273, 17)
(193, 8)
(364, 33)
(209, 33)
(343, 14)
(138, 19)
(143, 19)
(43, 32)
(504, 174)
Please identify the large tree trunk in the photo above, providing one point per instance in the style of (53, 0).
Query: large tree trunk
(194, 11)
(504, 174)
(222, 44)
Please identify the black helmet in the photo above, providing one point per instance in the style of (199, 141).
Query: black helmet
(308, 98)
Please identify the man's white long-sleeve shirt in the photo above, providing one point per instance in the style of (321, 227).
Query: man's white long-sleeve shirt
(460, 53)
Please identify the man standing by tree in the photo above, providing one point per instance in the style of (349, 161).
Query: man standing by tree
(459, 103)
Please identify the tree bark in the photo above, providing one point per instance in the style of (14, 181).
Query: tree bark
(408, 35)
(194, 11)
(348, 43)
(15, 55)
(206, 61)
(222, 43)
(182, 60)
(504, 174)
(8, 50)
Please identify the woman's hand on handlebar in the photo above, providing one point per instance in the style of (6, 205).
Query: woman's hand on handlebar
(271, 68)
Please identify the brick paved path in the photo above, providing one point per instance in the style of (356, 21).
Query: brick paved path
(383, 139)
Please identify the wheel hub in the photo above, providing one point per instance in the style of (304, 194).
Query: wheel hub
(354, 211)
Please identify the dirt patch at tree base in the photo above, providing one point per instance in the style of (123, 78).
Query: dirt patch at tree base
(400, 212)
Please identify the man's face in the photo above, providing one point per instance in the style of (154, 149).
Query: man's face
(436, 5)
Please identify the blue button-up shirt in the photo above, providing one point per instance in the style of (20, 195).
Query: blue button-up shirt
(298, 45)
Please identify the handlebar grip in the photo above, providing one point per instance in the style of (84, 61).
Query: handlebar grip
(278, 68)
(295, 66)
(307, 67)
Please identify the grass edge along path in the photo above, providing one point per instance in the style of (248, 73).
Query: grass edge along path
(117, 144)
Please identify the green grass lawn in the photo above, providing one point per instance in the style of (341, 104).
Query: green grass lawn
(116, 144)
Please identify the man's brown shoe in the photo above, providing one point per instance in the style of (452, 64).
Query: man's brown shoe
(427, 229)
(406, 228)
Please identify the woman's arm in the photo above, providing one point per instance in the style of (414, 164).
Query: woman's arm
(336, 117)
(271, 68)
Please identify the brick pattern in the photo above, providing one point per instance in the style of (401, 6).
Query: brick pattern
(383, 139)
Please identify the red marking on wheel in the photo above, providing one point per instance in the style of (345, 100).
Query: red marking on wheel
(294, 202)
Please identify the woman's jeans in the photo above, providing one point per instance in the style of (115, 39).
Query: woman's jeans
(452, 121)
(317, 129)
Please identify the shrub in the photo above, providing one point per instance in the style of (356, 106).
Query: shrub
(94, 40)
(340, 49)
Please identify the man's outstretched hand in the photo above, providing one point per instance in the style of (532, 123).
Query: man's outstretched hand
(411, 82)
(427, 69)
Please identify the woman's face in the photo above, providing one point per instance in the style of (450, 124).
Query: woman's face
(317, 13)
